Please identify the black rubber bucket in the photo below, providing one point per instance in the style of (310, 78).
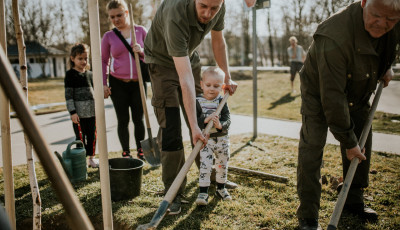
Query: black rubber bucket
(125, 178)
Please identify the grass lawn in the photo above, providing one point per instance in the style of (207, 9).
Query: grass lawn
(275, 99)
(256, 204)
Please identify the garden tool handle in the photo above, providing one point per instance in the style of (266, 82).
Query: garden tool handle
(139, 72)
(354, 163)
(182, 173)
(173, 190)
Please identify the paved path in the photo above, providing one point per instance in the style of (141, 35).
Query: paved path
(57, 128)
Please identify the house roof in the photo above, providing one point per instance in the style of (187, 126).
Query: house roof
(34, 48)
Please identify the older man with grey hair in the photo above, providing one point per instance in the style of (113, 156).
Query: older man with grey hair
(351, 51)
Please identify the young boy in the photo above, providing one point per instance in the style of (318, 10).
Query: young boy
(218, 143)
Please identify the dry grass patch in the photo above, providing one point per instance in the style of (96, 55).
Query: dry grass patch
(257, 204)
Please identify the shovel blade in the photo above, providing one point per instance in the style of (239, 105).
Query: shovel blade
(151, 152)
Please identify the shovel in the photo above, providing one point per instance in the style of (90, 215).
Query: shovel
(149, 146)
(354, 163)
(162, 210)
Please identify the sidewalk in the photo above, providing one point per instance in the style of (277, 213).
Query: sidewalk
(57, 130)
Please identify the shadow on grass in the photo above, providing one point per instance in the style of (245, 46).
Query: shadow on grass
(248, 144)
(199, 214)
(349, 221)
(193, 217)
(148, 170)
(287, 98)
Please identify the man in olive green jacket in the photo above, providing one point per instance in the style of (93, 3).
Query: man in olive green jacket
(177, 29)
(351, 51)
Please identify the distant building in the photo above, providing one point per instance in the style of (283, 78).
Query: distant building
(38, 57)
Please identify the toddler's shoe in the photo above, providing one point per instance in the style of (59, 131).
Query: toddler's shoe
(202, 199)
(223, 194)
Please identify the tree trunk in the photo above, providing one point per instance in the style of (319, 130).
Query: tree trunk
(245, 40)
(270, 43)
(24, 83)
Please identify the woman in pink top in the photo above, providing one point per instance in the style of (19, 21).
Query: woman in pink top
(123, 79)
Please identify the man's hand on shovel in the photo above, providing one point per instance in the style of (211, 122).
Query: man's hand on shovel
(356, 152)
(198, 135)
(230, 86)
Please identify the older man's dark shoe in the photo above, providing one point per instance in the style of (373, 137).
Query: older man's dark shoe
(362, 211)
(309, 224)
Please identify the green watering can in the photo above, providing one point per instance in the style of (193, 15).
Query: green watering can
(74, 162)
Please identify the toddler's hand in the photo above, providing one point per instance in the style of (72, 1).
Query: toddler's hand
(217, 123)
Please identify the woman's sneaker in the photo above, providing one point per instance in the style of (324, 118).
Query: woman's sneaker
(202, 199)
(126, 154)
(140, 154)
(223, 194)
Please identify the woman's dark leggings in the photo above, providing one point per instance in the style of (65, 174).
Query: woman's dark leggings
(125, 95)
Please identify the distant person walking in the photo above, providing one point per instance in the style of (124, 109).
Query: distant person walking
(80, 100)
(123, 78)
(296, 58)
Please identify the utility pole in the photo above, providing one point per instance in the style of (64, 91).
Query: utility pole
(259, 4)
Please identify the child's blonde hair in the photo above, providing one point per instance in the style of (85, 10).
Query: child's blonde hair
(213, 71)
(77, 49)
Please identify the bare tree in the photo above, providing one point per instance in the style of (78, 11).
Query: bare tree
(37, 203)
(321, 10)
(245, 41)
(37, 22)
(270, 42)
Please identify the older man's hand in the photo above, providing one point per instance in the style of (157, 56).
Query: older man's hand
(356, 152)
(388, 77)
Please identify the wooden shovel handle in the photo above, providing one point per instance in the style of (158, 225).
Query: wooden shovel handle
(185, 168)
(354, 163)
(139, 72)
(173, 190)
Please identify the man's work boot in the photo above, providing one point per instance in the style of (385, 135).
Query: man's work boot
(362, 211)
(175, 207)
(309, 224)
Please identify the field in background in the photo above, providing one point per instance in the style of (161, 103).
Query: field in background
(275, 99)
